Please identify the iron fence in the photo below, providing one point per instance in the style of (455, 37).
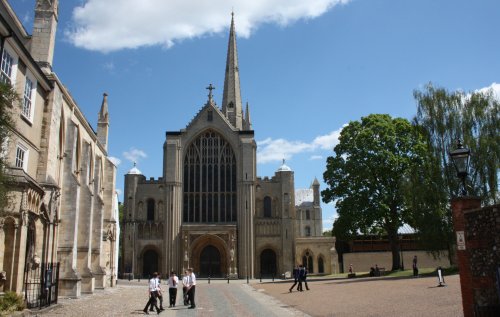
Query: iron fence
(41, 285)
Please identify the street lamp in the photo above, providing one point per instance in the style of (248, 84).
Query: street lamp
(401, 250)
(461, 158)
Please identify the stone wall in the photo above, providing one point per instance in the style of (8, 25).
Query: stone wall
(482, 236)
(362, 261)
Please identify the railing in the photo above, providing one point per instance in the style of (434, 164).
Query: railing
(41, 285)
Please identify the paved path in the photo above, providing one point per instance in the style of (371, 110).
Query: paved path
(215, 299)
(373, 297)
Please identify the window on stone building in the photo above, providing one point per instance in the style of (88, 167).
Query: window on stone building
(321, 265)
(7, 68)
(29, 97)
(307, 262)
(209, 180)
(267, 207)
(151, 210)
(307, 231)
(76, 151)
(22, 157)
(308, 215)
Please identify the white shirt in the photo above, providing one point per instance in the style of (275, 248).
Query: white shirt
(173, 281)
(153, 284)
(192, 279)
(185, 280)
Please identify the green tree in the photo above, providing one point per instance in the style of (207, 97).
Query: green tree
(7, 100)
(368, 177)
(475, 119)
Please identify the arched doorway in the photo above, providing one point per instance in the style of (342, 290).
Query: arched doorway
(149, 263)
(210, 262)
(268, 263)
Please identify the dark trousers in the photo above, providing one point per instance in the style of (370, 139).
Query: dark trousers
(185, 295)
(294, 283)
(415, 271)
(173, 295)
(191, 294)
(159, 296)
(152, 301)
(305, 283)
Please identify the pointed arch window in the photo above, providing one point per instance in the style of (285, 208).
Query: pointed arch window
(151, 210)
(209, 180)
(308, 215)
(267, 207)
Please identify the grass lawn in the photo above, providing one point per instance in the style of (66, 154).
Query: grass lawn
(405, 273)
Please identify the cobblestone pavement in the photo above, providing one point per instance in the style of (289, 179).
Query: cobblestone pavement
(373, 297)
(215, 299)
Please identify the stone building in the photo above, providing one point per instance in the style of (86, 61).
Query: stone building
(62, 184)
(209, 210)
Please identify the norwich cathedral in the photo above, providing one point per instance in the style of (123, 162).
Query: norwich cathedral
(208, 210)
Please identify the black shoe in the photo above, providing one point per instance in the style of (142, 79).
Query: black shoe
(158, 311)
(290, 290)
(145, 311)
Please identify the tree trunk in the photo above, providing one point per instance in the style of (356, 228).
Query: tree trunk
(395, 249)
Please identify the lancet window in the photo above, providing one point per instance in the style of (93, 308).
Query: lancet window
(209, 180)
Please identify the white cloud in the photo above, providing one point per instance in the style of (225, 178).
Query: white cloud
(115, 160)
(328, 222)
(316, 157)
(494, 87)
(113, 25)
(109, 66)
(118, 191)
(270, 150)
(134, 154)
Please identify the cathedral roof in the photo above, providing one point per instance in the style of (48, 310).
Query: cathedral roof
(304, 197)
(134, 170)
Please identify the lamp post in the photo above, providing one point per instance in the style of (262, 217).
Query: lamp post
(461, 158)
(401, 250)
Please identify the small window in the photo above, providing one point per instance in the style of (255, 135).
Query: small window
(22, 156)
(7, 66)
(308, 215)
(307, 231)
(28, 99)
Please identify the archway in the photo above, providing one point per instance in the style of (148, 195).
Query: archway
(268, 262)
(149, 263)
(210, 262)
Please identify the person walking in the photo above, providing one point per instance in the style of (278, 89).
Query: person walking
(191, 291)
(295, 274)
(185, 286)
(304, 278)
(158, 293)
(301, 277)
(415, 268)
(153, 294)
(173, 281)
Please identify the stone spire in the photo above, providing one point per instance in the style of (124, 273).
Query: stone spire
(248, 123)
(44, 33)
(103, 122)
(315, 187)
(231, 97)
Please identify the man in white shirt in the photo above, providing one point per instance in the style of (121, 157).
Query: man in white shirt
(173, 280)
(153, 294)
(185, 286)
(191, 288)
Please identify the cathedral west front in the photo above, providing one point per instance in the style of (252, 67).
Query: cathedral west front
(209, 210)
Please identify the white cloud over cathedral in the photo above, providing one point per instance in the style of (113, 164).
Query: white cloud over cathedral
(274, 150)
(119, 24)
(134, 155)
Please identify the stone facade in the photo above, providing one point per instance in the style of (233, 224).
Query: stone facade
(210, 211)
(62, 191)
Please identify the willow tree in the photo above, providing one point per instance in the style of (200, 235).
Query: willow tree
(369, 174)
(475, 119)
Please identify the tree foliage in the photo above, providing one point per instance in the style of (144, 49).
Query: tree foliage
(8, 99)
(369, 174)
(474, 118)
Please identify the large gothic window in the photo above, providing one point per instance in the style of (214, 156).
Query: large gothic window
(151, 210)
(209, 180)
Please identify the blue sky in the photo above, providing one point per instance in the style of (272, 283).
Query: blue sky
(307, 67)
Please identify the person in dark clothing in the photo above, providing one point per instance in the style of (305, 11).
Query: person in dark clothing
(302, 272)
(415, 268)
(295, 275)
(304, 278)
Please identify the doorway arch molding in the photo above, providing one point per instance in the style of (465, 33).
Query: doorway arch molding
(201, 243)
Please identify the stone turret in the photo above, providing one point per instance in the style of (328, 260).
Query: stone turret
(315, 187)
(44, 33)
(103, 122)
